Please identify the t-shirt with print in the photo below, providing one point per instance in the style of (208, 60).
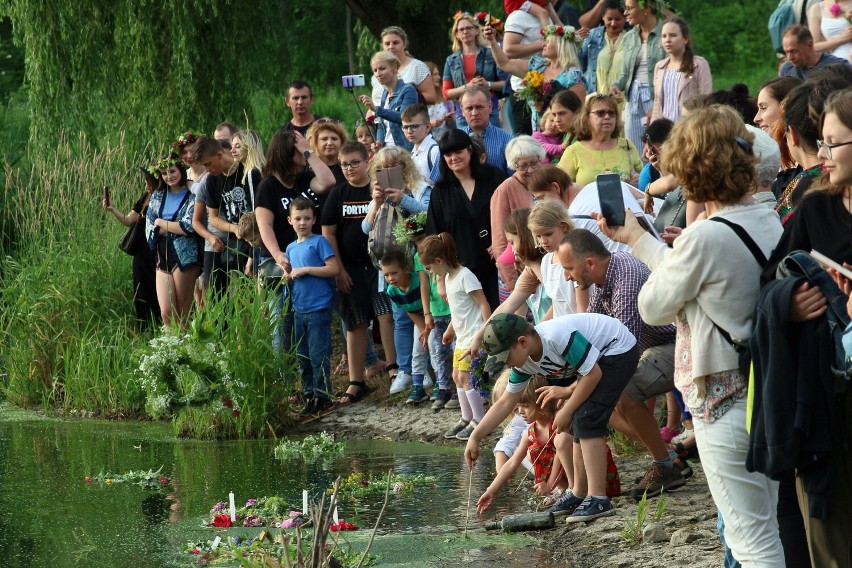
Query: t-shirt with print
(230, 196)
(276, 197)
(407, 301)
(572, 346)
(437, 306)
(345, 208)
(310, 293)
(465, 314)
(204, 196)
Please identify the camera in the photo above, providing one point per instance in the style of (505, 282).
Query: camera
(352, 81)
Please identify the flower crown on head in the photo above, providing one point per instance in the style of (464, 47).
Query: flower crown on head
(563, 32)
(188, 137)
(659, 6)
(164, 163)
(410, 226)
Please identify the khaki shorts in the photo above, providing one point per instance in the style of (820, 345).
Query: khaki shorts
(654, 375)
(461, 360)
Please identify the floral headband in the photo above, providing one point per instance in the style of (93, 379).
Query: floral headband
(413, 225)
(187, 138)
(164, 163)
(659, 6)
(563, 32)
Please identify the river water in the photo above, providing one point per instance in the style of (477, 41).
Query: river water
(49, 516)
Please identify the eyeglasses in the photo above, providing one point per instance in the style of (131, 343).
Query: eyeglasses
(527, 167)
(351, 165)
(822, 145)
(412, 127)
(603, 113)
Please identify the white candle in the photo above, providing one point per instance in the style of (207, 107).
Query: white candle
(304, 501)
(233, 507)
(216, 542)
(336, 518)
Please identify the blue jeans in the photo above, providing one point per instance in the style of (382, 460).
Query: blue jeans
(440, 354)
(282, 325)
(403, 329)
(729, 560)
(312, 334)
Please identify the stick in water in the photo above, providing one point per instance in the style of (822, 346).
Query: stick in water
(541, 453)
(469, 489)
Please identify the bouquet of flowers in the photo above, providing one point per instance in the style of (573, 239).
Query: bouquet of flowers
(479, 377)
(408, 227)
(534, 88)
(836, 11)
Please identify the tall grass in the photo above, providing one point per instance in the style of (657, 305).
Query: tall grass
(66, 314)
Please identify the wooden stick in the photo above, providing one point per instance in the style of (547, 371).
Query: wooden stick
(469, 490)
(376, 527)
(516, 489)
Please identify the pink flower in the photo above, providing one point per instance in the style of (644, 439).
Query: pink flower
(835, 10)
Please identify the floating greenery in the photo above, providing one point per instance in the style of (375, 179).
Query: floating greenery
(262, 512)
(312, 448)
(360, 485)
(148, 479)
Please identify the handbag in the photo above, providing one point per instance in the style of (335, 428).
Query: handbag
(133, 237)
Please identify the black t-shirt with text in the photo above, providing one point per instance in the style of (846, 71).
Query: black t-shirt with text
(345, 208)
(230, 195)
(275, 196)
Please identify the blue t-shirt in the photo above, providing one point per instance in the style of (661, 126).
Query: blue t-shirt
(172, 203)
(310, 293)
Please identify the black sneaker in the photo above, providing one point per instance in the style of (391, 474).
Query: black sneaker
(590, 509)
(310, 408)
(683, 467)
(657, 479)
(565, 505)
(453, 432)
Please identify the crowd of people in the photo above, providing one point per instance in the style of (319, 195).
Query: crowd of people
(464, 220)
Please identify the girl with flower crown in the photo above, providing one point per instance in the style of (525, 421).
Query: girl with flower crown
(169, 232)
(558, 63)
(183, 147)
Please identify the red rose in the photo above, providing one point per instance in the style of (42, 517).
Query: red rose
(196, 551)
(222, 520)
(560, 30)
(236, 412)
(542, 33)
(228, 402)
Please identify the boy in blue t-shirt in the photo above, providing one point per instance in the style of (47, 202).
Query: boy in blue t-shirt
(312, 273)
(404, 291)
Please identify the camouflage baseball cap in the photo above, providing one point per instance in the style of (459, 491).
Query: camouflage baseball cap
(501, 332)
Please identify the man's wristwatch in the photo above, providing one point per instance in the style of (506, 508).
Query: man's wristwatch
(306, 154)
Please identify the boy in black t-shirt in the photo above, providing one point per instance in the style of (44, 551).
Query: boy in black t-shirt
(357, 282)
(228, 198)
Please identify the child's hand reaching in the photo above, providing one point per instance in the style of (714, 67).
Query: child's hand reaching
(484, 502)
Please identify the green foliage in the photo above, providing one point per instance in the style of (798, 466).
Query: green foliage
(310, 449)
(11, 62)
(633, 529)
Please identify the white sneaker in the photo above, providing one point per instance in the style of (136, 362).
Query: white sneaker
(400, 383)
(427, 381)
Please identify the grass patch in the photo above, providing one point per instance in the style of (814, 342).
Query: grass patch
(632, 531)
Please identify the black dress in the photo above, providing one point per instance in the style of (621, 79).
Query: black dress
(144, 275)
(469, 222)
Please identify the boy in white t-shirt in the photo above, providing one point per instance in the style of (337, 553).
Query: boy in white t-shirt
(418, 129)
(588, 359)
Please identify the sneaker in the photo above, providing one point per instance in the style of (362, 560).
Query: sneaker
(468, 430)
(442, 397)
(417, 395)
(454, 400)
(656, 479)
(400, 382)
(683, 467)
(428, 383)
(452, 432)
(590, 509)
(565, 505)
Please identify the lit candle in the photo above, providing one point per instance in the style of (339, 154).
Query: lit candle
(233, 507)
(304, 501)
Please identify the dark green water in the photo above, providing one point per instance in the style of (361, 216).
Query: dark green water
(50, 517)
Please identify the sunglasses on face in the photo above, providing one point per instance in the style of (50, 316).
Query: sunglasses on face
(603, 113)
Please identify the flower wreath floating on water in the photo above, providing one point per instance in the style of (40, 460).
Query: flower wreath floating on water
(360, 485)
(186, 138)
(263, 512)
(146, 479)
(409, 227)
(164, 163)
(480, 379)
(567, 33)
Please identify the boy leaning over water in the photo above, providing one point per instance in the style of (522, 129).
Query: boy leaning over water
(588, 359)
(312, 273)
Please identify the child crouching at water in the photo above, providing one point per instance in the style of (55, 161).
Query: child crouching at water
(537, 446)
(404, 291)
(513, 428)
(468, 312)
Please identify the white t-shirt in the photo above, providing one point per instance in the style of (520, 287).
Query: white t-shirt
(465, 314)
(561, 291)
(587, 201)
(526, 25)
(426, 155)
(413, 74)
(572, 345)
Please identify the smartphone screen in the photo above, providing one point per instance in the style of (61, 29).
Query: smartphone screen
(611, 198)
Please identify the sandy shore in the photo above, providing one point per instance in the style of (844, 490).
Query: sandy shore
(687, 530)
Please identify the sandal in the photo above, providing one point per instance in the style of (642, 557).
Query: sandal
(349, 398)
(375, 369)
(390, 368)
(343, 366)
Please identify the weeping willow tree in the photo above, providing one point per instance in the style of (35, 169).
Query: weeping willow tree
(150, 68)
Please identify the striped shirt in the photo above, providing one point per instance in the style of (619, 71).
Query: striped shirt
(618, 297)
(671, 84)
(408, 301)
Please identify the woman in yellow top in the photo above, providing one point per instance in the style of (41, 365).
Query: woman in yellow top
(599, 147)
